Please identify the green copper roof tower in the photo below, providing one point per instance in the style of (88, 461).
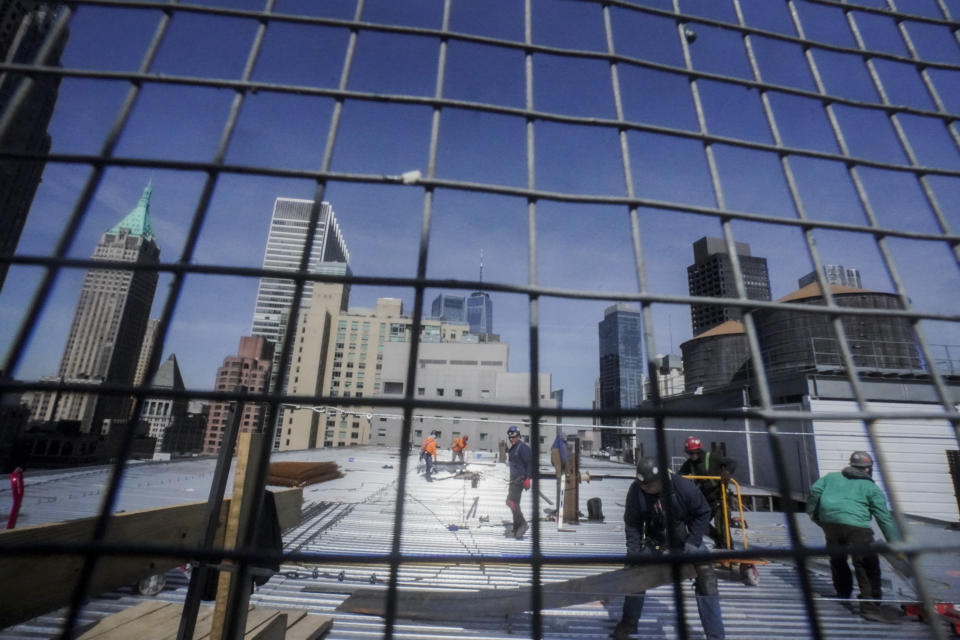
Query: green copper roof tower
(138, 220)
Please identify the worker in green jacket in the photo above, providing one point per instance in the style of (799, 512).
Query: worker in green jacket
(843, 504)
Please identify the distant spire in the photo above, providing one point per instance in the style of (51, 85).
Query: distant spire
(481, 268)
(137, 222)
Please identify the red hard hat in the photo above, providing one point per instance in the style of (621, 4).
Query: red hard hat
(692, 444)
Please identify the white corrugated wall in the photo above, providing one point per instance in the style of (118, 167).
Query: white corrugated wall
(914, 451)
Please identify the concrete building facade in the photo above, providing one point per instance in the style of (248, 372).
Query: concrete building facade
(462, 372)
(249, 368)
(342, 352)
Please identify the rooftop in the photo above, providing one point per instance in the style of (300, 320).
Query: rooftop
(354, 515)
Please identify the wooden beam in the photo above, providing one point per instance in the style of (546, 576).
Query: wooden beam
(458, 605)
(249, 449)
(153, 620)
(33, 584)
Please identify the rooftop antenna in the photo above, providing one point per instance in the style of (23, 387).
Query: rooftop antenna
(481, 269)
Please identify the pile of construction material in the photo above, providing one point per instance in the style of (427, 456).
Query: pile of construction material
(301, 474)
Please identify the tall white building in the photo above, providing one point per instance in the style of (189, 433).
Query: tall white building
(289, 228)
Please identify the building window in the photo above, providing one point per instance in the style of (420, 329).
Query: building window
(393, 387)
(420, 390)
(483, 436)
(458, 393)
(439, 391)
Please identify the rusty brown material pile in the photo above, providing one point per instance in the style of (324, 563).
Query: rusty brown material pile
(301, 474)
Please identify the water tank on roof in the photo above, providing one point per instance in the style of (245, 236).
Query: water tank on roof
(794, 340)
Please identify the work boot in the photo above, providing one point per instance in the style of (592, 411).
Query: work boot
(893, 612)
(522, 529)
(623, 630)
(876, 613)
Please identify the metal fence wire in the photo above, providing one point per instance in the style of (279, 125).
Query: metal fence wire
(804, 121)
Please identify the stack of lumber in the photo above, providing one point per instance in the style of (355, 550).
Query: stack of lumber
(301, 474)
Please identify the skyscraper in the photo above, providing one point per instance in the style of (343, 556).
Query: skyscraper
(24, 25)
(145, 348)
(480, 313)
(834, 274)
(475, 310)
(289, 227)
(110, 321)
(621, 363)
(449, 308)
(712, 274)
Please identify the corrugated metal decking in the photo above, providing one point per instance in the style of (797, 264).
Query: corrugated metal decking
(353, 515)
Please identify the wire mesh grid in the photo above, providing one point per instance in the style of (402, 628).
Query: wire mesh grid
(741, 159)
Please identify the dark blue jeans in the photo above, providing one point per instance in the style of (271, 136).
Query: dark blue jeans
(428, 460)
(708, 603)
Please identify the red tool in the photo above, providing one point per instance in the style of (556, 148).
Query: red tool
(951, 612)
(16, 485)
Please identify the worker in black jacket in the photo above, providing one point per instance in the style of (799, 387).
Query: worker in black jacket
(710, 463)
(521, 470)
(645, 525)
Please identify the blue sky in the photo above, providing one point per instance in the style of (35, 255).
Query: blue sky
(580, 246)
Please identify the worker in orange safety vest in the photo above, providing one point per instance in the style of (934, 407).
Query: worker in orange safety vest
(428, 452)
(459, 446)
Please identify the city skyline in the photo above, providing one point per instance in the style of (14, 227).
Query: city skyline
(203, 385)
(583, 245)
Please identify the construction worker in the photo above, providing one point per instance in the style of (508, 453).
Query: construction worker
(521, 470)
(843, 504)
(710, 463)
(459, 446)
(645, 526)
(428, 452)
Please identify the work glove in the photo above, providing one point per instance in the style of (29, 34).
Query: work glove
(724, 476)
(526, 484)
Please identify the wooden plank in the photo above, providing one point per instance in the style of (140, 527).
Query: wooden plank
(274, 629)
(309, 627)
(204, 622)
(104, 626)
(140, 622)
(34, 584)
(160, 621)
(458, 605)
(154, 626)
(249, 446)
